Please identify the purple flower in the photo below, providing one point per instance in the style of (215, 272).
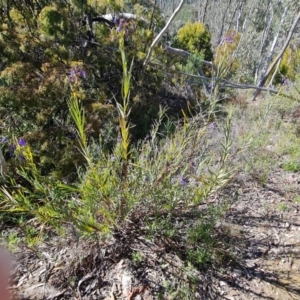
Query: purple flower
(183, 181)
(4, 139)
(70, 136)
(11, 150)
(82, 73)
(121, 25)
(22, 142)
(21, 157)
(75, 74)
(115, 19)
(212, 126)
(72, 76)
(228, 39)
(285, 82)
(210, 87)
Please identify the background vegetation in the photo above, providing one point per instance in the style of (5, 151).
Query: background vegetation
(96, 141)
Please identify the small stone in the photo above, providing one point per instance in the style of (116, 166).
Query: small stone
(237, 273)
(250, 264)
(223, 283)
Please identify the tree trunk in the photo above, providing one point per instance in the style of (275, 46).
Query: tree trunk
(273, 64)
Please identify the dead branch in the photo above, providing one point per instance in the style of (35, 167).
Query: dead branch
(108, 19)
(224, 82)
(186, 54)
(159, 36)
(227, 83)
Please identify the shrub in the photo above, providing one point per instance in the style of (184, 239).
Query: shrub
(196, 39)
(51, 21)
(225, 59)
(44, 52)
(159, 177)
(288, 67)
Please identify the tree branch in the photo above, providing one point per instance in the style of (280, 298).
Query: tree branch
(109, 18)
(186, 54)
(225, 82)
(159, 36)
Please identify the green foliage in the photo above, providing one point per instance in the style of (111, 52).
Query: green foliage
(11, 240)
(296, 199)
(159, 176)
(282, 207)
(201, 242)
(195, 38)
(113, 190)
(288, 67)
(291, 166)
(43, 197)
(225, 53)
(51, 21)
(44, 50)
(137, 257)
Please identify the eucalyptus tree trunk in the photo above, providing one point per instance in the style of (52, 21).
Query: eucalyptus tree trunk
(225, 13)
(239, 15)
(202, 12)
(159, 36)
(264, 38)
(275, 40)
(265, 75)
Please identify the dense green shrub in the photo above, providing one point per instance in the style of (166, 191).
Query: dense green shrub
(46, 57)
(196, 39)
(158, 176)
(288, 67)
(225, 58)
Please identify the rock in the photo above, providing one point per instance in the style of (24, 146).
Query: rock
(237, 273)
(250, 264)
(222, 283)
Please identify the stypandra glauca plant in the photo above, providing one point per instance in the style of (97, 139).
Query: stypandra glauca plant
(43, 198)
(169, 173)
(104, 186)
